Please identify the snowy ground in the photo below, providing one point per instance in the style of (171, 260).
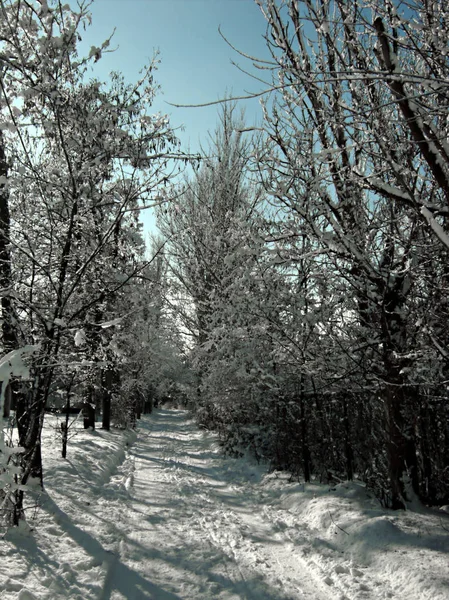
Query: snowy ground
(163, 515)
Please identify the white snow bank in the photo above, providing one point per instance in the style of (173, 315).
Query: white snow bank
(358, 546)
(164, 516)
(56, 555)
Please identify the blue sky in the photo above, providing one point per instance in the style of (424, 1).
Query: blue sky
(195, 61)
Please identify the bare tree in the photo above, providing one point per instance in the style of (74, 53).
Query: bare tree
(355, 158)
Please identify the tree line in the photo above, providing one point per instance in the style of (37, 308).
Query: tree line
(297, 299)
(80, 294)
(315, 254)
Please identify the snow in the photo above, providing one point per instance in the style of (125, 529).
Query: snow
(162, 514)
(80, 337)
(443, 236)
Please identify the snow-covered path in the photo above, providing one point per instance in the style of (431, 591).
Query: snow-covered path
(162, 515)
(193, 529)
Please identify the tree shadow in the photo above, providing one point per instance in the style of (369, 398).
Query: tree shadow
(196, 564)
(134, 586)
(118, 577)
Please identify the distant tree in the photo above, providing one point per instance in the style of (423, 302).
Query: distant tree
(210, 230)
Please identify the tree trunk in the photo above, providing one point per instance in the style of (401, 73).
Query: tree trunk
(401, 452)
(133, 410)
(348, 442)
(31, 462)
(107, 377)
(397, 447)
(89, 409)
(304, 434)
(89, 415)
(9, 333)
(65, 429)
(7, 401)
(148, 403)
(106, 410)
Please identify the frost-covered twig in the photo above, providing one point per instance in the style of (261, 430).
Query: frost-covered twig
(338, 526)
